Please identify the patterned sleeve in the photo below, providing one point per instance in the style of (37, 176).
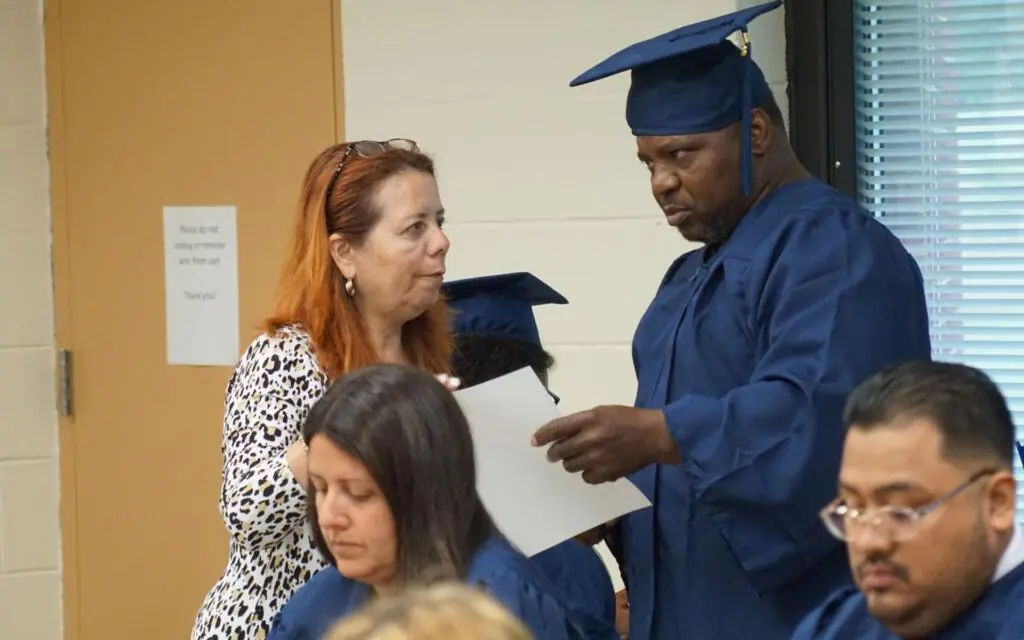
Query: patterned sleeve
(276, 382)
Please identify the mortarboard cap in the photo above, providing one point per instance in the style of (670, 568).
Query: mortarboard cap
(691, 80)
(499, 304)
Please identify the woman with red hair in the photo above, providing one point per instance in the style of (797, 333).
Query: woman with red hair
(360, 284)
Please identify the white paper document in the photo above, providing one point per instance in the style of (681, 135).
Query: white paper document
(201, 285)
(536, 503)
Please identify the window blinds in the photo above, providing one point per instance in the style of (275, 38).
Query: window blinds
(939, 92)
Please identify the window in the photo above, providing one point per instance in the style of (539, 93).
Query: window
(926, 129)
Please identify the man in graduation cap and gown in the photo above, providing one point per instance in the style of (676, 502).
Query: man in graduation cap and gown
(495, 334)
(927, 507)
(745, 355)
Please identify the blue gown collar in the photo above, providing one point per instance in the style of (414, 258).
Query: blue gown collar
(987, 616)
(750, 225)
(482, 569)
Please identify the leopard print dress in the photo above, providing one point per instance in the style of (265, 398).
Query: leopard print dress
(271, 554)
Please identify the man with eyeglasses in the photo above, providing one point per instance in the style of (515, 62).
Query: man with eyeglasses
(927, 506)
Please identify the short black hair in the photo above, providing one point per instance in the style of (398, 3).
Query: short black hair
(477, 358)
(409, 432)
(965, 404)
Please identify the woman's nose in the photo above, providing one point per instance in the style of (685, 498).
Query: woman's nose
(333, 514)
(440, 243)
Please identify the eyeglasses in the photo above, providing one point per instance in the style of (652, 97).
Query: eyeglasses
(364, 149)
(897, 523)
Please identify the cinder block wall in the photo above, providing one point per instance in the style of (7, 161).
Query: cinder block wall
(30, 586)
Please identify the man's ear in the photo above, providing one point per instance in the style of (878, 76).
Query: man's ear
(761, 131)
(341, 255)
(1002, 501)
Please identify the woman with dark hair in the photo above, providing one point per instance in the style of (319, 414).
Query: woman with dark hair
(393, 504)
(360, 284)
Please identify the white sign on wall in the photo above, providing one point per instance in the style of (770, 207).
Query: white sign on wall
(201, 285)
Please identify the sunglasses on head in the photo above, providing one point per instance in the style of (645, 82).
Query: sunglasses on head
(365, 149)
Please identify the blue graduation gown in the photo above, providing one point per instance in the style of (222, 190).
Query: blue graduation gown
(751, 351)
(511, 578)
(583, 583)
(996, 615)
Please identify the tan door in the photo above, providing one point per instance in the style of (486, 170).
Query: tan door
(188, 102)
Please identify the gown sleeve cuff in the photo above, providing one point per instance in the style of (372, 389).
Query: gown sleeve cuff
(694, 422)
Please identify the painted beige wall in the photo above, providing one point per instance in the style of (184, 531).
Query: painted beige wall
(535, 176)
(29, 528)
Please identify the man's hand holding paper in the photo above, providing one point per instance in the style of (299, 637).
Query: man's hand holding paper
(609, 442)
(535, 503)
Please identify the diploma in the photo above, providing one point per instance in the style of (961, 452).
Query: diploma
(535, 503)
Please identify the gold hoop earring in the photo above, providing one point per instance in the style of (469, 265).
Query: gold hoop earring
(350, 288)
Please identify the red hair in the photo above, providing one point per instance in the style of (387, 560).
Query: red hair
(311, 290)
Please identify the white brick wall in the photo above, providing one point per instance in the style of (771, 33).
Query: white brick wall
(535, 176)
(29, 528)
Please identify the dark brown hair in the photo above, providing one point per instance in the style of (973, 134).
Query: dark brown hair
(966, 406)
(408, 431)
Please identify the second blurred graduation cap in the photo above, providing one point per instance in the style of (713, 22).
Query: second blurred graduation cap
(692, 80)
(499, 305)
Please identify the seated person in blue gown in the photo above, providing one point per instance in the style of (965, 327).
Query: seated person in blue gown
(496, 333)
(927, 507)
(393, 503)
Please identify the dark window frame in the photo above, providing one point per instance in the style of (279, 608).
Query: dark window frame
(820, 89)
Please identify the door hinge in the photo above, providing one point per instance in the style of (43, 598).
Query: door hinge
(64, 397)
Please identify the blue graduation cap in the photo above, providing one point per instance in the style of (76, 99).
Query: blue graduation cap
(692, 80)
(500, 305)
(1020, 451)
